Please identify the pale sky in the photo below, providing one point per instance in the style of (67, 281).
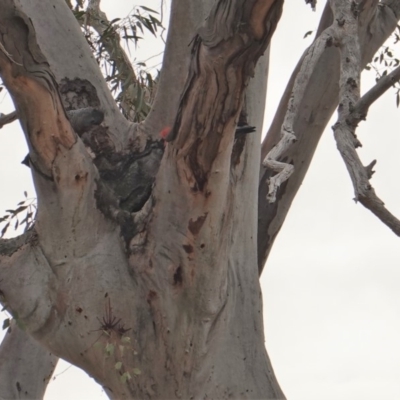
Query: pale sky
(331, 285)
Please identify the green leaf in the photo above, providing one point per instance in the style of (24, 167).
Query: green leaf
(125, 376)
(136, 371)
(148, 9)
(110, 349)
(4, 230)
(19, 209)
(118, 365)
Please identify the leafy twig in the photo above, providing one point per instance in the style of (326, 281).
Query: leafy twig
(23, 215)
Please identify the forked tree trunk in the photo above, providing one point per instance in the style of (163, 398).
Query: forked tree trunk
(150, 288)
(142, 265)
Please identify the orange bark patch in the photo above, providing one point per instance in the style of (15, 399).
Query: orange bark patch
(48, 124)
(258, 16)
(40, 111)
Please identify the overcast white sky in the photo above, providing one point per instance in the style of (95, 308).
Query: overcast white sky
(331, 285)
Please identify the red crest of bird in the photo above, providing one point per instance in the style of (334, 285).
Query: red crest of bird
(165, 131)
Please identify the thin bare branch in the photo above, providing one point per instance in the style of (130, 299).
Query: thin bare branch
(349, 94)
(376, 23)
(361, 108)
(8, 55)
(7, 118)
(98, 20)
(288, 134)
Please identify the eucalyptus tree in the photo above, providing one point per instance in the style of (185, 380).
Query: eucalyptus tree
(143, 261)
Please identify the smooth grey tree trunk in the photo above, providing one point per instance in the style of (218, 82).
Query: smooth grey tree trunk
(142, 265)
(159, 299)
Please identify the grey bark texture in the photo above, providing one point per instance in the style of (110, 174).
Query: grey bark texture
(25, 368)
(142, 266)
(117, 289)
(376, 22)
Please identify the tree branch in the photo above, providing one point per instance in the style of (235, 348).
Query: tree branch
(98, 20)
(34, 93)
(83, 78)
(184, 21)
(376, 23)
(63, 172)
(361, 108)
(25, 366)
(7, 119)
(349, 115)
(288, 134)
(207, 87)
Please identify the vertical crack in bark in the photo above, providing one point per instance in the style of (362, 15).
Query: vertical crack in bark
(223, 57)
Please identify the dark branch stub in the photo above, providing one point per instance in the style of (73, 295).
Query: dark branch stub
(312, 3)
(7, 118)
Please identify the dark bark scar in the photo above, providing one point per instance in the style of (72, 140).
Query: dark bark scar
(188, 248)
(195, 225)
(152, 295)
(178, 276)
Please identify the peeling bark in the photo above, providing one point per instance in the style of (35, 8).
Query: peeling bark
(72, 59)
(223, 59)
(141, 268)
(349, 98)
(376, 23)
(183, 24)
(121, 273)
